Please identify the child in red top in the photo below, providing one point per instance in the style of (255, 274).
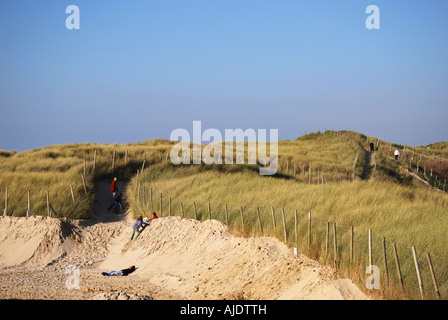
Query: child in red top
(113, 187)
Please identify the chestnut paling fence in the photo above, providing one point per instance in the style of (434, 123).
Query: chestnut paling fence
(405, 272)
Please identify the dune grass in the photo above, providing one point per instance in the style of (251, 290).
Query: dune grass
(327, 157)
(405, 214)
(317, 173)
(389, 209)
(41, 171)
(56, 168)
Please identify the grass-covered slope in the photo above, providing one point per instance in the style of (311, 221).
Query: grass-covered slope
(415, 215)
(56, 168)
(391, 202)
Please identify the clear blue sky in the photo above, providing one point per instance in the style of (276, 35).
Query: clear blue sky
(138, 69)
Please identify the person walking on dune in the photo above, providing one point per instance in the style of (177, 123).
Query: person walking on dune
(138, 224)
(396, 153)
(116, 201)
(372, 147)
(113, 187)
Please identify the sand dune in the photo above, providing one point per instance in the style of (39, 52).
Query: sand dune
(176, 259)
(34, 241)
(202, 260)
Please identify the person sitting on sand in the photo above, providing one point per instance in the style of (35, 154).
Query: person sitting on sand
(138, 224)
(123, 272)
(154, 216)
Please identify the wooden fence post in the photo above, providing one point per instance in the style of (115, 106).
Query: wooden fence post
(296, 235)
(386, 272)
(242, 218)
(29, 204)
(309, 231)
(397, 264)
(417, 269)
(227, 216)
(284, 226)
(5, 212)
(84, 184)
(259, 221)
(73, 194)
(126, 157)
(161, 204)
(335, 241)
(48, 203)
(433, 276)
(351, 244)
(273, 218)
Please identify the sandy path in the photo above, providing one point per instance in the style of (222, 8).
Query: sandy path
(368, 160)
(177, 259)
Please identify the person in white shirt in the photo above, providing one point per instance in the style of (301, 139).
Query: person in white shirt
(396, 153)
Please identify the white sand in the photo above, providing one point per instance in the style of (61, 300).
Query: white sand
(176, 259)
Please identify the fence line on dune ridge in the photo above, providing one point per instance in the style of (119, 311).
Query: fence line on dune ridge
(405, 272)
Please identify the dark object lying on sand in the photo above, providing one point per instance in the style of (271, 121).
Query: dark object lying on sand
(123, 272)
